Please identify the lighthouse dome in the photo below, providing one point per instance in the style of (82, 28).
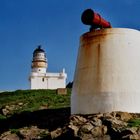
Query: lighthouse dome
(39, 54)
(38, 50)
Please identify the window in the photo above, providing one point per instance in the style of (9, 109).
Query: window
(43, 79)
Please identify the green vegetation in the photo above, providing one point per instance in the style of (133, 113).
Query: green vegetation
(2, 117)
(134, 122)
(31, 100)
(15, 131)
(44, 134)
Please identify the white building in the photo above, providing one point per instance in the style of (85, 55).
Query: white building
(40, 78)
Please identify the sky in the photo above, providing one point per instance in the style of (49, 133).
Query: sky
(56, 26)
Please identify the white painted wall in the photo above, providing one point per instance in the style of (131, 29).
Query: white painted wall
(48, 81)
(107, 75)
(39, 70)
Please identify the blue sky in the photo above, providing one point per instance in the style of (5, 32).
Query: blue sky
(56, 25)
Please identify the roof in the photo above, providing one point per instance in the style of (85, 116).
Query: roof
(38, 49)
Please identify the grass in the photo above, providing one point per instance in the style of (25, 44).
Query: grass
(15, 131)
(2, 117)
(33, 99)
(134, 122)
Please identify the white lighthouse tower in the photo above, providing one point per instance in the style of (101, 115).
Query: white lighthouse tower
(40, 78)
(39, 63)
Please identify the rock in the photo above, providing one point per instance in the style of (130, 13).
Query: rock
(86, 128)
(105, 126)
(62, 91)
(75, 129)
(9, 136)
(56, 133)
(108, 116)
(129, 131)
(114, 127)
(99, 131)
(7, 107)
(138, 131)
(5, 134)
(77, 120)
(105, 137)
(43, 107)
(86, 137)
(5, 112)
(104, 129)
(134, 137)
(131, 137)
(12, 107)
(20, 104)
(100, 115)
(85, 131)
(113, 122)
(30, 133)
(96, 122)
(124, 116)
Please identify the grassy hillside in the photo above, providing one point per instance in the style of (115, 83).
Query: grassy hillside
(32, 100)
(45, 115)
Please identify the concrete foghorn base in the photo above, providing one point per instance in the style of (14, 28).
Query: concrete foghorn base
(107, 75)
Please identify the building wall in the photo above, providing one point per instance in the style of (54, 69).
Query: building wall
(37, 83)
(50, 81)
(107, 72)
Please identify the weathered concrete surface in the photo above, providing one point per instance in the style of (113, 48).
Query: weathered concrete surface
(107, 75)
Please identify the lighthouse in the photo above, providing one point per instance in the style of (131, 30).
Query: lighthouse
(39, 62)
(40, 78)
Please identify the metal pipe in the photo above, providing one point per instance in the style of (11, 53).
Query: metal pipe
(89, 17)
